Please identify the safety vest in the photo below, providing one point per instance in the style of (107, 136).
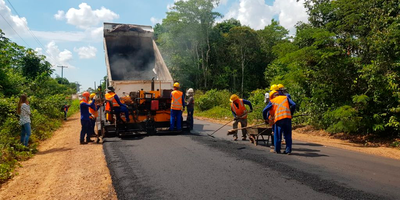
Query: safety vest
(93, 111)
(110, 97)
(280, 109)
(176, 101)
(240, 111)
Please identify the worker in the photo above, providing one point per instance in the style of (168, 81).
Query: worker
(273, 87)
(177, 106)
(239, 112)
(190, 107)
(282, 91)
(117, 106)
(85, 120)
(278, 113)
(93, 113)
(65, 110)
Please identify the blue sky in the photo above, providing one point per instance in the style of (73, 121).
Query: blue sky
(69, 33)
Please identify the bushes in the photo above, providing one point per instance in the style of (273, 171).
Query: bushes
(215, 104)
(46, 118)
(213, 98)
(344, 119)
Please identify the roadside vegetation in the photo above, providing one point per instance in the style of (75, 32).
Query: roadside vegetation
(23, 71)
(341, 68)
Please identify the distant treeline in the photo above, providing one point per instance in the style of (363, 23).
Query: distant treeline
(342, 68)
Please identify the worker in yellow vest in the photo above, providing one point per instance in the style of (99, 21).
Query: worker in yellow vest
(279, 113)
(177, 106)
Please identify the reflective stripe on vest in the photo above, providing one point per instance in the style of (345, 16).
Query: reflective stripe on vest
(240, 111)
(176, 101)
(110, 97)
(280, 109)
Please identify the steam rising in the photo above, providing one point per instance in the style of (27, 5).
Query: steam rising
(132, 54)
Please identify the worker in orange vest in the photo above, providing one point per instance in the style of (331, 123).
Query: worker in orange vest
(279, 112)
(93, 113)
(117, 106)
(177, 106)
(239, 112)
(85, 117)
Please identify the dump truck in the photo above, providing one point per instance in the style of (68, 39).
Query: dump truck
(140, 77)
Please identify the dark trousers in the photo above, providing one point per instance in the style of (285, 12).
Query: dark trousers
(283, 126)
(176, 117)
(85, 130)
(92, 124)
(65, 115)
(122, 109)
(189, 118)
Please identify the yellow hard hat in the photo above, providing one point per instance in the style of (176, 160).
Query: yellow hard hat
(272, 93)
(92, 95)
(234, 97)
(274, 87)
(176, 84)
(280, 86)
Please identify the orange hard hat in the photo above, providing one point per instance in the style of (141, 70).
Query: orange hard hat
(86, 94)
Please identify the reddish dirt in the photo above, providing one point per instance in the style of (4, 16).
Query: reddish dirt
(62, 169)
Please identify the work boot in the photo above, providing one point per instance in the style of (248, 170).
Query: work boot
(243, 138)
(288, 153)
(235, 138)
(273, 151)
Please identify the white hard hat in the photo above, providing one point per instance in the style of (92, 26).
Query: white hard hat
(266, 99)
(189, 91)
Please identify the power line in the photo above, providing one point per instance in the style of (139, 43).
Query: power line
(14, 30)
(32, 34)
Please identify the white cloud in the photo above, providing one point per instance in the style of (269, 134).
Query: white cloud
(57, 57)
(10, 24)
(257, 14)
(86, 52)
(60, 15)
(154, 20)
(290, 13)
(39, 51)
(85, 17)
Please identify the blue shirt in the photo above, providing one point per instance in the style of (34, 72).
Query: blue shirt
(85, 110)
(287, 94)
(244, 102)
(265, 112)
(118, 101)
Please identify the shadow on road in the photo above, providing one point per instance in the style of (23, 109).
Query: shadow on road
(308, 144)
(71, 119)
(54, 150)
(307, 152)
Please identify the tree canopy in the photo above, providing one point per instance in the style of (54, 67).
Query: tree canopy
(342, 67)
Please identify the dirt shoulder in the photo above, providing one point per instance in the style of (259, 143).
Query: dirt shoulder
(307, 134)
(63, 169)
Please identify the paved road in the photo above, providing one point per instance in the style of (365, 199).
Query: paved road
(195, 166)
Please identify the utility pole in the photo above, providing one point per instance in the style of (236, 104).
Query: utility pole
(78, 86)
(62, 71)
